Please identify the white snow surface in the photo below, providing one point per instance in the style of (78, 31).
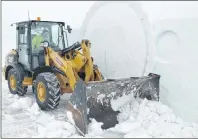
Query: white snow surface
(21, 117)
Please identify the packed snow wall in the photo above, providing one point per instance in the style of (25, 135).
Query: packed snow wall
(176, 60)
(125, 43)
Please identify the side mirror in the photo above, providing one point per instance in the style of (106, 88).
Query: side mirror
(69, 28)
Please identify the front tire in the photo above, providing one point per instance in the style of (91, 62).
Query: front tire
(47, 91)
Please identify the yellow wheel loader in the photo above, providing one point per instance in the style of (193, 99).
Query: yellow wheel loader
(43, 60)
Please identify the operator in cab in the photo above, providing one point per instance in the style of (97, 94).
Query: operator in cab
(36, 41)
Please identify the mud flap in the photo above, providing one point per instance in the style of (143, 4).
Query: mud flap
(94, 100)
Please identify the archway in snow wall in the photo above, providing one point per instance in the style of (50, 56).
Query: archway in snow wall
(121, 39)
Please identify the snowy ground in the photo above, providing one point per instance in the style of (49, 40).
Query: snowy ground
(21, 117)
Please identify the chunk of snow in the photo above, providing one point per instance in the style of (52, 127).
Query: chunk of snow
(54, 125)
(127, 126)
(95, 128)
(152, 127)
(195, 133)
(100, 98)
(125, 99)
(44, 118)
(143, 110)
(34, 109)
(55, 128)
(16, 96)
(70, 117)
(186, 132)
(10, 95)
(41, 131)
(112, 94)
(137, 134)
(89, 87)
(22, 103)
(163, 109)
(69, 127)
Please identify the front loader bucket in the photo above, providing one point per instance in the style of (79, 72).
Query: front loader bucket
(99, 100)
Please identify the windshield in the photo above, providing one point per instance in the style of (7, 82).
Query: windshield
(47, 31)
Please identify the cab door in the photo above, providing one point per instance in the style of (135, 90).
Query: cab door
(23, 48)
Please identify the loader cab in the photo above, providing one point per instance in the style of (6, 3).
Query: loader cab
(30, 34)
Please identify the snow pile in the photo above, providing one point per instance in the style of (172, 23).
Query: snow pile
(22, 103)
(145, 119)
(118, 103)
(53, 128)
(152, 119)
(34, 109)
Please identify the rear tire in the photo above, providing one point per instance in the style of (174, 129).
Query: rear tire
(47, 91)
(14, 83)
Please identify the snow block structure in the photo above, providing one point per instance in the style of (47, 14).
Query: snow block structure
(125, 44)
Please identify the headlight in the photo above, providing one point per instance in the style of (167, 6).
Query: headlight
(10, 59)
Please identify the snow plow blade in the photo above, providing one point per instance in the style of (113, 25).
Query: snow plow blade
(96, 99)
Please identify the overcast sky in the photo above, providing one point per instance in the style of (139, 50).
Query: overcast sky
(74, 12)
(71, 12)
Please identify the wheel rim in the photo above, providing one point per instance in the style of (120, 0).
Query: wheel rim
(41, 92)
(13, 82)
